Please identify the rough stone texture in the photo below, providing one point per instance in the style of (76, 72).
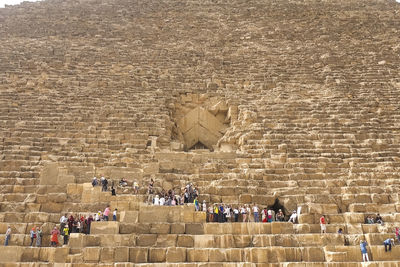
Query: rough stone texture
(251, 101)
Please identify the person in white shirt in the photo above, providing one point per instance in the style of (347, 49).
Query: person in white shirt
(236, 214)
(227, 212)
(293, 217)
(162, 201)
(156, 200)
(63, 221)
(204, 205)
(115, 215)
(244, 214)
(255, 212)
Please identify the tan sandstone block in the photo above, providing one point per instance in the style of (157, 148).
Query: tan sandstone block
(218, 255)
(160, 228)
(121, 254)
(282, 228)
(313, 254)
(157, 254)
(104, 227)
(203, 241)
(197, 255)
(11, 254)
(199, 217)
(146, 240)
(176, 254)
(166, 240)
(194, 229)
(177, 228)
(30, 254)
(91, 254)
(77, 240)
(129, 216)
(107, 254)
(379, 254)
(185, 241)
(138, 255)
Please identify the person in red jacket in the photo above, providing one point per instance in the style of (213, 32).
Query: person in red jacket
(322, 222)
(54, 237)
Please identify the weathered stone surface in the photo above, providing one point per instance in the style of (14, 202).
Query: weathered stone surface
(104, 227)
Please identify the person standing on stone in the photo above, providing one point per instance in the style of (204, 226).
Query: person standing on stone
(63, 221)
(255, 212)
(105, 185)
(66, 235)
(293, 217)
(204, 206)
(115, 215)
(248, 212)
(54, 237)
(322, 222)
(150, 191)
(280, 217)
(364, 251)
(196, 204)
(388, 243)
(236, 214)
(396, 230)
(8, 236)
(106, 213)
(244, 214)
(135, 188)
(89, 222)
(39, 236)
(32, 235)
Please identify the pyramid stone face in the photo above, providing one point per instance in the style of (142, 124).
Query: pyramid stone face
(296, 101)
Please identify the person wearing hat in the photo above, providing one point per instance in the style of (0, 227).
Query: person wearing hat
(32, 235)
(364, 251)
(66, 234)
(388, 243)
(54, 236)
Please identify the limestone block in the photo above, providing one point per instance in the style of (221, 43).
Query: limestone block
(218, 255)
(166, 240)
(52, 207)
(177, 228)
(354, 228)
(157, 254)
(369, 228)
(375, 239)
(121, 254)
(203, 241)
(77, 240)
(342, 253)
(199, 217)
(246, 198)
(197, 255)
(194, 229)
(322, 208)
(129, 216)
(57, 255)
(264, 255)
(313, 254)
(129, 228)
(282, 228)
(224, 241)
(243, 241)
(116, 204)
(138, 255)
(185, 241)
(16, 228)
(92, 240)
(146, 240)
(351, 217)
(91, 254)
(290, 254)
(74, 189)
(104, 227)
(379, 254)
(49, 174)
(176, 254)
(306, 218)
(235, 255)
(107, 254)
(11, 254)
(160, 228)
(335, 218)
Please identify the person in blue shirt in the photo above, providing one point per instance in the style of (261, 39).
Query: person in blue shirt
(364, 251)
(388, 243)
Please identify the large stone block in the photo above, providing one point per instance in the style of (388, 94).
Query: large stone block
(177, 228)
(57, 255)
(203, 241)
(176, 254)
(379, 254)
(11, 254)
(138, 255)
(282, 228)
(166, 240)
(197, 255)
(342, 253)
(194, 229)
(160, 228)
(157, 254)
(104, 227)
(129, 216)
(185, 241)
(146, 240)
(107, 254)
(121, 254)
(91, 254)
(30, 254)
